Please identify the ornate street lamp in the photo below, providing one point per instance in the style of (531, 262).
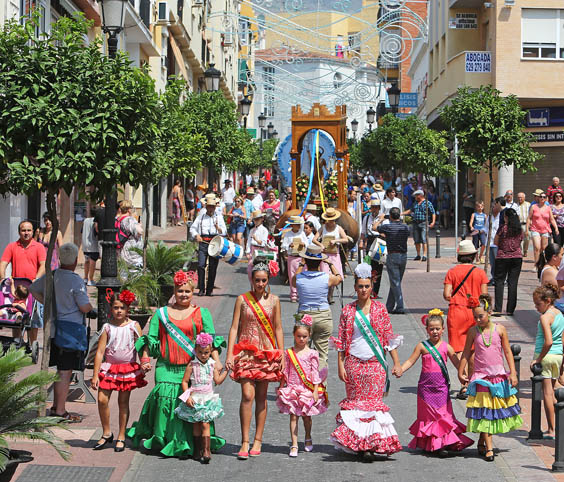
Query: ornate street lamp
(113, 19)
(245, 107)
(275, 135)
(381, 110)
(354, 127)
(270, 129)
(212, 76)
(261, 124)
(394, 97)
(370, 116)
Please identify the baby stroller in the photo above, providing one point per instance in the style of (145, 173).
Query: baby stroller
(12, 316)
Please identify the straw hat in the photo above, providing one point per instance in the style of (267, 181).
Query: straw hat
(202, 187)
(331, 214)
(250, 190)
(378, 187)
(313, 252)
(466, 247)
(538, 192)
(257, 214)
(311, 207)
(375, 202)
(295, 220)
(210, 200)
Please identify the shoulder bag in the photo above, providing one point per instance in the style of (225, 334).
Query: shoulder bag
(463, 281)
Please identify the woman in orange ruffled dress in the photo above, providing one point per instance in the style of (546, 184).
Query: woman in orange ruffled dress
(256, 359)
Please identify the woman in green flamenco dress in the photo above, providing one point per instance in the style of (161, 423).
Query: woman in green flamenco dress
(171, 340)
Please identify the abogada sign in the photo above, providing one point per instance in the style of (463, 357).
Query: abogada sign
(478, 62)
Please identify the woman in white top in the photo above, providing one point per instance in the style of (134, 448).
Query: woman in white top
(289, 240)
(258, 238)
(549, 264)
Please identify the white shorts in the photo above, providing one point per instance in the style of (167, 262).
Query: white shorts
(535, 234)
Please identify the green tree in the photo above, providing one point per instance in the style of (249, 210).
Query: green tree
(490, 135)
(70, 116)
(408, 144)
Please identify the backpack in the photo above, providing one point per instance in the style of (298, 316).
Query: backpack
(121, 236)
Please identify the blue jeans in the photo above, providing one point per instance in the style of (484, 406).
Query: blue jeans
(395, 264)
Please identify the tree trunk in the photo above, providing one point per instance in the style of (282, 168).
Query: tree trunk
(147, 224)
(48, 296)
(490, 217)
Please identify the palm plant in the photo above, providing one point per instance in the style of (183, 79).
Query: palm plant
(18, 404)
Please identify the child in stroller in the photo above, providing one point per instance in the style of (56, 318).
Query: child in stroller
(16, 306)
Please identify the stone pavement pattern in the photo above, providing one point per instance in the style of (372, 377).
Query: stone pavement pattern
(423, 291)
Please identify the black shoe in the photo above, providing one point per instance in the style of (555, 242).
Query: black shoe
(209, 293)
(201, 293)
(417, 258)
(424, 258)
(489, 458)
(119, 449)
(106, 440)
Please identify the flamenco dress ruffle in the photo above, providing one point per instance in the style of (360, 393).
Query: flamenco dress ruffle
(492, 406)
(122, 377)
(207, 408)
(299, 401)
(447, 433)
(254, 364)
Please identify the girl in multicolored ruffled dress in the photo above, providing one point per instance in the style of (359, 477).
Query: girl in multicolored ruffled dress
(301, 392)
(436, 428)
(492, 406)
(201, 406)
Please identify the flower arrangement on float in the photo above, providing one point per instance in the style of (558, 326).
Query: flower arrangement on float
(331, 189)
(302, 184)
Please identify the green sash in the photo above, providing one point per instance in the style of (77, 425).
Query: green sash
(180, 338)
(372, 339)
(438, 358)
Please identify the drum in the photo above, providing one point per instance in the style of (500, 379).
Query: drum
(224, 249)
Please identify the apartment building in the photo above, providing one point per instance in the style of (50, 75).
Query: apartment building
(517, 46)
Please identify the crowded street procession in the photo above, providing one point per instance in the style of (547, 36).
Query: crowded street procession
(296, 239)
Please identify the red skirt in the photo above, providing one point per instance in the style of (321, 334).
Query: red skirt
(255, 364)
(122, 377)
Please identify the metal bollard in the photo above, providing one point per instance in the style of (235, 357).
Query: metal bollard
(516, 350)
(558, 465)
(536, 403)
(463, 229)
(438, 243)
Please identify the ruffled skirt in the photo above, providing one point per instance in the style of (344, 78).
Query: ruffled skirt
(207, 408)
(122, 377)
(298, 400)
(492, 406)
(254, 364)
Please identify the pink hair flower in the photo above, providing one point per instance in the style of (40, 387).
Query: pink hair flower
(273, 268)
(181, 278)
(204, 339)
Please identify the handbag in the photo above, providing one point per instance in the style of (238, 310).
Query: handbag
(68, 334)
(378, 251)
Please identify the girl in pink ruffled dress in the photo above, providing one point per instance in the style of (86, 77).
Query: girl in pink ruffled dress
(116, 367)
(436, 429)
(301, 392)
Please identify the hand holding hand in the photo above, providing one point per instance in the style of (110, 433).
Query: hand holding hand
(146, 367)
(229, 362)
(463, 379)
(397, 371)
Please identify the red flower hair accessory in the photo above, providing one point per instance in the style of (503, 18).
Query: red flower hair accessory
(473, 302)
(181, 278)
(424, 319)
(127, 297)
(273, 268)
(193, 277)
(109, 294)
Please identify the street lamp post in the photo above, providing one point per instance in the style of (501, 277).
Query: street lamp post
(212, 76)
(270, 130)
(394, 97)
(275, 135)
(245, 106)
(354, 127)
(370, 116)
(261, 124)
(113, 19)
(381, 110)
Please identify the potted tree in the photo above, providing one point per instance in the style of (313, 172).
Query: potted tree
(18, 405)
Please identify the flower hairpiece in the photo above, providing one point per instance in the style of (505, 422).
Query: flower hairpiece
(193, 277)
(109, 294)
(204, 339)
(424, 319)
(436, 312)
(181, 278)
(273, 268)
(127, 297)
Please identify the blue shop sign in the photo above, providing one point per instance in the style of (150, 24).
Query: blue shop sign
(545, 117)
(408, 100)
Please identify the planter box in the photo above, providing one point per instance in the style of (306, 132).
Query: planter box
(17, 457)
(141, 318)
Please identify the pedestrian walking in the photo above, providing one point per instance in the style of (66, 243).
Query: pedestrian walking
(468, 200)
(462, 281)
(396, 234)
(554, 188)
(313, 284)
(311, 216)
(477, 228)
(492, 406)
(254, 353)
(43, 235)
(369, 233)
(390, 201)
(258, 238)
(420, 209)
(207, 225)
(293, 243)
(301, 392)
(508, 261)
(175, 204)
(237, 221)
(364, 424)
(129, 236)
(548, 348)
(549, 264)
(446, 206)
(171, 340)
(201, 405)
(495, 217)
(436, 429)
(116, 367)
(557, 208)
(228, 195)
(523, 210)
(539, 223)
(91, 249)
(310, 232)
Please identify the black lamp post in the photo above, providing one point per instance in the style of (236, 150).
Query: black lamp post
(381, 110)
(245, 107)
(370, 117)
(275, 135)
(261, 124)
(394, 97)
(113, 19)
(354, 127)
(270, 130)
(212, 76)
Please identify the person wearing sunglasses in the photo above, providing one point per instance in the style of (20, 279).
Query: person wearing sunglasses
(538, 223)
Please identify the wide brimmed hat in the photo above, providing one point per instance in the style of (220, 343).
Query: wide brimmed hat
(331, 214)
(250, 190)
(227, 180)
(378, 187)
(375, 202)
(295, 220)
(313, 252)
(210, 200)
(419, 192)
(538, 192)
(311, 207)
(257, 214)
(466, 247)
(202, 187)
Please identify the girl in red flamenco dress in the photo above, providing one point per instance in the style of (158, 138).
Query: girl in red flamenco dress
(116, 367)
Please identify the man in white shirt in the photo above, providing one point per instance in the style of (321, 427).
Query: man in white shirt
(228, 195)
(523, 212)
(311, 215)
(207, 225)
(496, 210)
(257, 201)
(390, 201)
(509, 203)
(368, 236)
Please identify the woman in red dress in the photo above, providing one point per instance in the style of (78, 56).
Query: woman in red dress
(462, 281)
(254, 353)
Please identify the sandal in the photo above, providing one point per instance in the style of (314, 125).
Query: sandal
(308, 448)
(255, 453)
(106, 439)
(489, 458)
(293, 451)
(243, 454)
(462, 395)
(69, 418)
(482, 449)
(119, 449)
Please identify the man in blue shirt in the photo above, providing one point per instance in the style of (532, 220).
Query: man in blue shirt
(418, 211)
